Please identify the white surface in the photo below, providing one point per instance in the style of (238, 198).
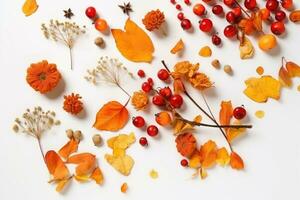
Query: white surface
(270, 150)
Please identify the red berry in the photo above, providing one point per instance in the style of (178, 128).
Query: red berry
(250, 4)
(277, 28)
(230, 31)
(217, 9)
(184, 163)
(141, 73)
(158, 100)
(138, 121)
(280, 15)
(216, 40)
(287, 4)
(229, 3)
(152, 130)
(90, 12)
(205, 25)
(230, 17)
(165, 92)
(173, 1)
(186, 24)
(237, 12)
(176, 101)
(272, 5)
(163, 74)
(146, 87)
(180, 16)
(143, 141)
(150, 81)
(178, 7)
(239, 112)
(187, 2)
(199, 9)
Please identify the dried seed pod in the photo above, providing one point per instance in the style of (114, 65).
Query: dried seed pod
(69, 133)
(97, 140)
(228, 69)
(99, 42)
(77, 135)
(295, 16)
(216, 63)
(15, 128)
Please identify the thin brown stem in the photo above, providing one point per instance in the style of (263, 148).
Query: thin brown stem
(119, 86)
(41, 149)
(71, 57)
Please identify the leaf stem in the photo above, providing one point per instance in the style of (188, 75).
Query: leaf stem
(71, 57)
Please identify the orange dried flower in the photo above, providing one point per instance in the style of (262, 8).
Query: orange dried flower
(200, 81)
(186, 144)
(185, 68)
(72, 104)
(42, 76)
(153, 20)
(139, 100)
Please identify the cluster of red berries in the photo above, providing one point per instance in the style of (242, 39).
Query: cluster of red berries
(100, 24)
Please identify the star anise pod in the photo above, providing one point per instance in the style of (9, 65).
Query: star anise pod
(126, 8)
(68, 13)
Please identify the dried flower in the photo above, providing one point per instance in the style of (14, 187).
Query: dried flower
(72, 104)
(64, 32)
(35, 122)
(185, 69)
(200, 81)
(153, 20)
(68, 13)
(139, 100)
(42, 76)
(99, 42)
(126, 8)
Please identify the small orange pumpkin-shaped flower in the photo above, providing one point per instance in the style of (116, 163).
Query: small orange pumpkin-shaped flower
(139, 100)
(153, 20)
(200, 81)
(72, 104)
(186, 144)
(42, 76)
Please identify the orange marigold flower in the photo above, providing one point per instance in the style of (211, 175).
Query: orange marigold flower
(185, 68)
(153, 20)
(200, 81)
(42, 76)
(139, 100)
(72, 104)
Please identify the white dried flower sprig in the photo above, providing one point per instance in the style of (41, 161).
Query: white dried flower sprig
(108, 70)
(63, 32)
(35, 122)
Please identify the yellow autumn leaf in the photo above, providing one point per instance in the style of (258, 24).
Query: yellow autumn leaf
(122, 164)
(178, 47)
(223, 157)
(195, 160)
(246, 49)
(202, 173)
(260, 89)
(121, 141)
(233, 133)
(61, 185)
(133, 43)
(29, 7)
(82, 179)
(179, 126)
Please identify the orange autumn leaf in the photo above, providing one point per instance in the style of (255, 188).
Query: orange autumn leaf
(178, 47)
(186, 144)
(195, 160)
(85, 163)
(29, 7)
(62, 184)
(236, 161)
(133, 43)
(111, 117)
(233, 133)
(97, 176)
(223, 157)
(68, 149)
(293, 69)
(284, 77)
(208, 154)
(226, 112)
(56, 166)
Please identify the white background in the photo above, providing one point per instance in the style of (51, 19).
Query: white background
(270, 150)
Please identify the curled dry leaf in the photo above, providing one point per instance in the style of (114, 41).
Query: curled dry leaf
(186, 144)
(133, 43)
(293, 69)
(284, 77)
(56, 166)
(111, 117)
(236, 161)
(85, 163)
(260, 89)
(246, 49)
(97, 176)
(69, 148)
(29, 7)
(178, 47)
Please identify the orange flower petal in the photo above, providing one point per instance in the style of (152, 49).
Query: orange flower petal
(236, 161)
(56, 166)
(284, 77)
(97, 176)
(178, 47)
(68, 149)
(226, 112)
(86, 163)
(293, 69)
